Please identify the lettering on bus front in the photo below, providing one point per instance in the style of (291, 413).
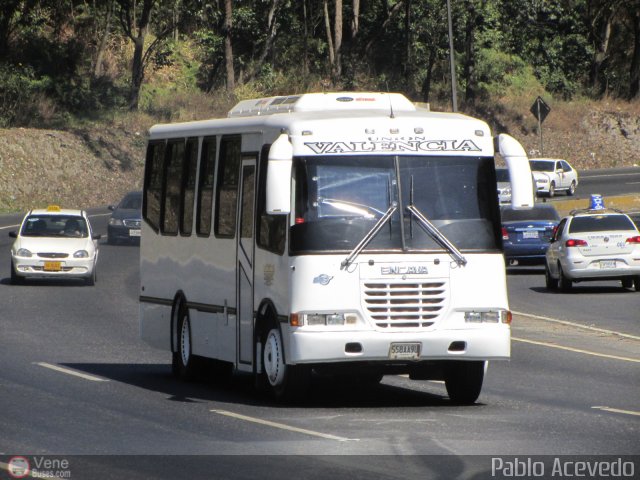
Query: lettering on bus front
(393, 145)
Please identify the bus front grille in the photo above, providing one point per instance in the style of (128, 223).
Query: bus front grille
(404, 305)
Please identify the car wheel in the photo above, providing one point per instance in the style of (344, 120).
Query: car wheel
(15, 278)
(463, 380)
(572, 189)
(183, 362)
(283, 382)
(636, 282)
(627, 282)
(91, 281)
(552, 189)
(564, 283)
(551, 283)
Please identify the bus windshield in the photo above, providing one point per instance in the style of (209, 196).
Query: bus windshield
(339, 199)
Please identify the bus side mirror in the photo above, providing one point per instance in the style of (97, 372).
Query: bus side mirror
(279, 176)
(522, 189)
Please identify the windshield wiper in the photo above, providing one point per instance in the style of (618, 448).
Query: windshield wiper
(434, 233)
(369, 236)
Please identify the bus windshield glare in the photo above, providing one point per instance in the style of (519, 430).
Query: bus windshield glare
(339, 199)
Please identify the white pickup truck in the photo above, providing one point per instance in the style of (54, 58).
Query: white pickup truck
(552, 175)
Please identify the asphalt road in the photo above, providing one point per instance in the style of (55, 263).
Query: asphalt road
(614, 181)
(76, 380)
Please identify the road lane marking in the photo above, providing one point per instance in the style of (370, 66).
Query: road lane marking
(10, 226)
(617, 410)
(576, 350)
(68, 371)
(282, 426)
(578, 325)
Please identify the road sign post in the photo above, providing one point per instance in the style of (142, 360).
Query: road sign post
(540, 110)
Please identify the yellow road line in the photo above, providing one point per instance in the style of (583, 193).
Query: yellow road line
(71, 372)
(617, 410)
(282, 426)
(578, 325)
(576, 350)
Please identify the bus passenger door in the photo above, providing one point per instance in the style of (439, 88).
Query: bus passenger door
(245, 262)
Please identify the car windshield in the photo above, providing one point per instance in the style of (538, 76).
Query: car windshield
(536, 213)
(131, 202)
(601, 223)
(71, 226)
(542, 166)
(502, 175)
(338, 200)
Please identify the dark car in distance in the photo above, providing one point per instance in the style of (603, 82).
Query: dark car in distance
(126, 219)
(526, 233)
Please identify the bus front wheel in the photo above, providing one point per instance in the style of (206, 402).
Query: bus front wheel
(284, 382)
(463, 380)
(183, 361)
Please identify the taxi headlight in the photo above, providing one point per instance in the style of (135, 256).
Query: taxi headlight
(23, 252)
(542, 180)
(81, 254)
(115, 222)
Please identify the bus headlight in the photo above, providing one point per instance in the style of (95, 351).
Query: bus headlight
(318, 319)
(491, 316)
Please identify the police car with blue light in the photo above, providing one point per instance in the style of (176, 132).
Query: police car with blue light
(594, 244)
(54, 243)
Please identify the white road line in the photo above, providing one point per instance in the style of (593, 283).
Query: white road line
(617, 410)
(10, 226)
(283, 426)
(578, 325)
(71, 372)
(576, 350)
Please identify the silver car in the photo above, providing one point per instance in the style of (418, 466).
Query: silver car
(594, 245)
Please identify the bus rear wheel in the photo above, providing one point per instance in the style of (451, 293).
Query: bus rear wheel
(283, 382)
(463, 380)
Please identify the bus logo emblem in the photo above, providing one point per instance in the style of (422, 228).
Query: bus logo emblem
(323, 279)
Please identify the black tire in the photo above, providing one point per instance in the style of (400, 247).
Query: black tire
(184, 363)
(550, 282)
(91, 281)
(284, 383)
(627, 282)
(463, 380)
(552, 189)
(636, 283)
(564, 283)
(572, 189)
(15, 278)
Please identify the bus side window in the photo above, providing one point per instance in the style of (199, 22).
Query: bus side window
(205, 186)
(271, 233)
(154, 170)
(173, 183)
(187, 194)
(227, 186)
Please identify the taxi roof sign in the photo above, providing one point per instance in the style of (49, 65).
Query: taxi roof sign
(53, 208)
(596, 202)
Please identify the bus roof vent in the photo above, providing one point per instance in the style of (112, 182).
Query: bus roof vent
(323, 102)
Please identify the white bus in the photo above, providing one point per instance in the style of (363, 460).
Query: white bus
(329, 234)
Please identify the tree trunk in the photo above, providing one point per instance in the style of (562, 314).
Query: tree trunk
(355, 22)
(634, 80)
(272, 28)
(470, 56)
(327, 25)
(228, 48)
(337, 44)
(102, 47)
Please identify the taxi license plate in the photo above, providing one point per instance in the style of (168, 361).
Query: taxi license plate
(404, 351)
(530, 234)
(134, 233)
(52, 266)
(607, 264)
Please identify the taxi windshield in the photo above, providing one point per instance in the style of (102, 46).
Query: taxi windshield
(71, 226)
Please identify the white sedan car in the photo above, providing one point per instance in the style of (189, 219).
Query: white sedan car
(552, 175)
(54, 243)
(594, 245)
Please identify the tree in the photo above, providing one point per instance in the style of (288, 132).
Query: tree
(228, 45)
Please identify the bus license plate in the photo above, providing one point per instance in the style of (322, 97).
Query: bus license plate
(404, 351)
(52, 266)
(134, 233)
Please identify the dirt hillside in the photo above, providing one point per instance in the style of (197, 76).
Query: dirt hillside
(93, 167)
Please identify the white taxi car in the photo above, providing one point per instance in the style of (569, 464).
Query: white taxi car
(54, 243)
(552, 175)
(599, 244)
